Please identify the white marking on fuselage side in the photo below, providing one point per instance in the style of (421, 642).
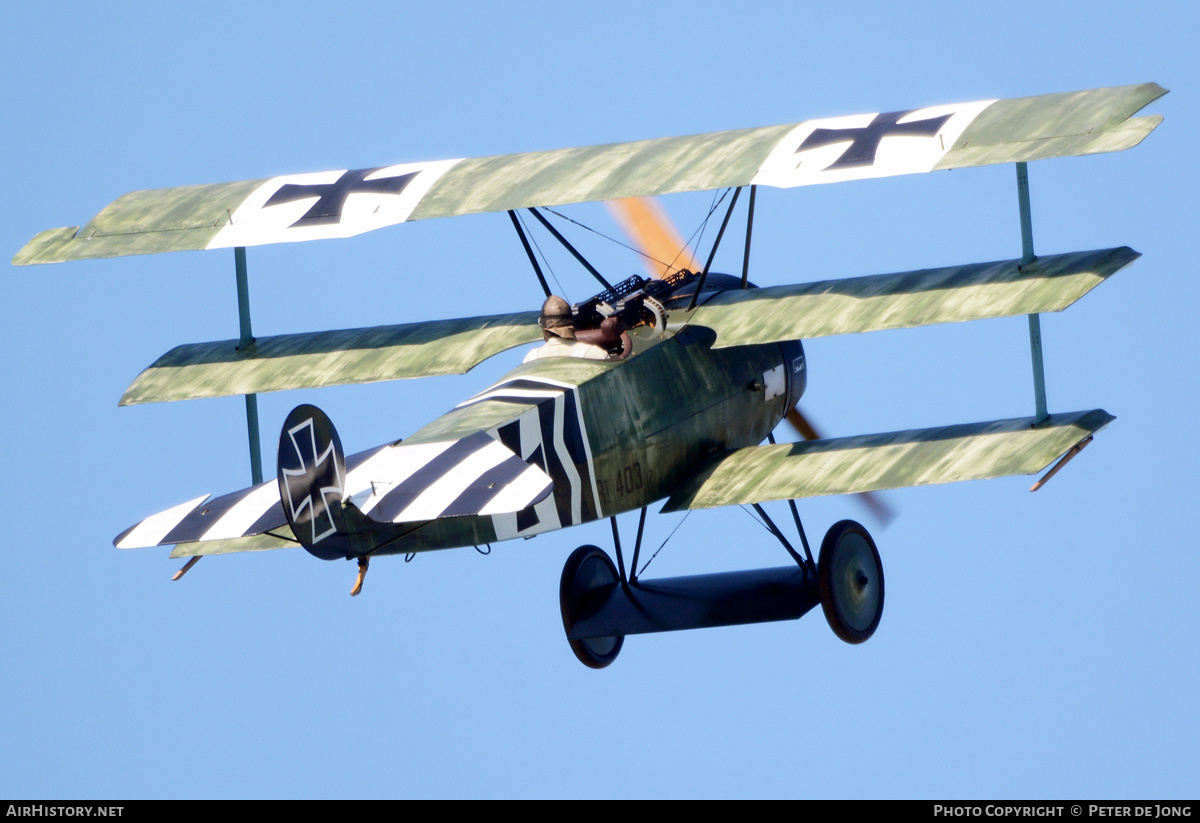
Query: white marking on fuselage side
(773, 382)
(367, 483)
(527, 378)
(529, 431)
(564, 456)
(516, 495)
(431, 502)
(531, 435)
(587, 454)
(534, 395)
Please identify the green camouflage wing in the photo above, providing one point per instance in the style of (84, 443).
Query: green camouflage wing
(874, 462)
(343, 203)
(332, 358)
(896, 301)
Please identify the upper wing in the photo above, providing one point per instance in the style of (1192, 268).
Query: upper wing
(874, 462)
(343, 203)
(294, 361)
(897, 301)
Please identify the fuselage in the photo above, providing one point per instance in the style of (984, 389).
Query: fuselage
(617, 436)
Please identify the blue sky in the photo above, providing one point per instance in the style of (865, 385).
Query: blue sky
(1031, 645)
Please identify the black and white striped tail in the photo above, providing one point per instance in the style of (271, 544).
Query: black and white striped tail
(316, 486)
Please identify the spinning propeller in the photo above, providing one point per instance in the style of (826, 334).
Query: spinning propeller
(881, 511)
(654, 234)
(664, 251)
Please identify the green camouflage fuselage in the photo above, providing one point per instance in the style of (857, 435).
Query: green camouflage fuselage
(615, 436)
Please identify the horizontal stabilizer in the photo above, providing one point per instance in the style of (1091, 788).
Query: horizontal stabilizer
(874, 462)
(253, 543)
(331, 358)
(917, 298)
(343, 203)
(401, 483)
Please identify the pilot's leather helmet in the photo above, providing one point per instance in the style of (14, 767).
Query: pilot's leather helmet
(556, 319)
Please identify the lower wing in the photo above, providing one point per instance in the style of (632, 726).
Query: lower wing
(874, 462)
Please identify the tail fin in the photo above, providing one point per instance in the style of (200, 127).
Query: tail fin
(312, 482)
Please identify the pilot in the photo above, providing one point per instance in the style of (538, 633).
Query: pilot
(558, 330)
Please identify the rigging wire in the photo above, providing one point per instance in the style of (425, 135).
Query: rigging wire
(542, 254)
(660, 548)
(691, 243)
(698, 234)
(606, 237)
(754, 517)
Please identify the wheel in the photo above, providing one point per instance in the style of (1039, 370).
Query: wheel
(850, 575)
(587, 578)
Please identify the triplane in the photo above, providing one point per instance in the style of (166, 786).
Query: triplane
(655, 388)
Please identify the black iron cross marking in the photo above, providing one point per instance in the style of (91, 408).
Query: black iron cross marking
(318, 479)
(331, 197)
(865, 141)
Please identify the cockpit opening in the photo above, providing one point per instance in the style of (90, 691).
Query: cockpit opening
(598, 328)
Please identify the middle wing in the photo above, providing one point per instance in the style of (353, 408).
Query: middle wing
(774, 313)
(331, 358)
(896, 301)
